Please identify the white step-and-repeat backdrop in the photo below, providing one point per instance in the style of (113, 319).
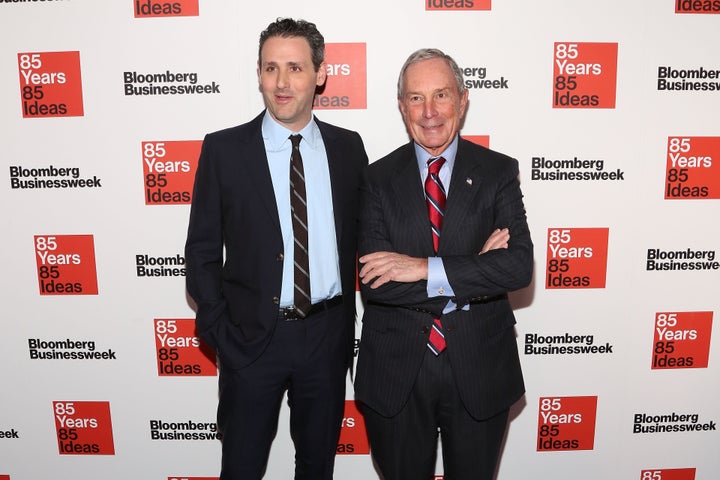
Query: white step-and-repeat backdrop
(610, 107)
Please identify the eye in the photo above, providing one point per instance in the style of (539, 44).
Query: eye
(443, 96)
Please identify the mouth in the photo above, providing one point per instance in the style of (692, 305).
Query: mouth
(283, 98)
(432, 128)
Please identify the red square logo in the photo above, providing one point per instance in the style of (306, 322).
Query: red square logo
(584, 75)
(83, 428)
(346, 85)
(457, 4)
(180, 352)
(690, 172)
(566, 423)
(668, 474)
(169, 171)
(66, 264)
(576, 258)
(50, 84)
(681, 340)
(166, 8)
(353, 436)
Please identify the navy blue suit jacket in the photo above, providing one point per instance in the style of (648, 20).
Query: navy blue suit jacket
(234, 248)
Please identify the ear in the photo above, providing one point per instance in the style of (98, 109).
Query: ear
(321, 74)
(401, 107)
(464, 102)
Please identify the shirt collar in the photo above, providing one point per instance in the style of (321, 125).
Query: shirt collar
(448, 154)
(276, 134)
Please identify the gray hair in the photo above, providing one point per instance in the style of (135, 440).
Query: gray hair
(427, 54)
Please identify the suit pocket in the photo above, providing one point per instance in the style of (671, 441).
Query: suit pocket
(208, 320)
(485, 320)
(395, 320)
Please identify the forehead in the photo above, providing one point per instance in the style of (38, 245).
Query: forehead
(285, 49)
(430, 74)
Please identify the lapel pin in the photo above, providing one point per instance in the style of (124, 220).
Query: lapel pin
(468, 181)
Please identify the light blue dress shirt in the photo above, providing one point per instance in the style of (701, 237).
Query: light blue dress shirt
(322, 248)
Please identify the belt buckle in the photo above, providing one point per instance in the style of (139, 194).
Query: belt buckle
(289, 314)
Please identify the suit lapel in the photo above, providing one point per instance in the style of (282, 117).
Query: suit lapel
(256, 168)
(338, 179)
(465, 184)
(410, 196)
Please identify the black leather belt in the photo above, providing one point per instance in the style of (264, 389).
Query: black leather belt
(474, 301)
(486, 299)
(289, 314)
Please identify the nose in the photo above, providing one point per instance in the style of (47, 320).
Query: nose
(429, 108)
(283, 78)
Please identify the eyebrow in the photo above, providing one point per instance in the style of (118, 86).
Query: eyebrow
(437, 90)
(292, 63)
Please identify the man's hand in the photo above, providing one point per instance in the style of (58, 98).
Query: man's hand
(383, 267)
(498, 239)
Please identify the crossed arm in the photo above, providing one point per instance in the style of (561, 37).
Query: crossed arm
(380, 268)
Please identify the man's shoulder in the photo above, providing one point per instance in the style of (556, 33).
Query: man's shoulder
(238, 131)
(485, 157)
(335, 130)
(395, 158)
(466, 146)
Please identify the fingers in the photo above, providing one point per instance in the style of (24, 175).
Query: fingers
(375, 265)
(498, 239)
(371, 263)
(383, 267)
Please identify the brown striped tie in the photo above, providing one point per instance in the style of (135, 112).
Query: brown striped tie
(298, 206)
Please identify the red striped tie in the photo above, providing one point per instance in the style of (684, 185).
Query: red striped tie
(435, 198)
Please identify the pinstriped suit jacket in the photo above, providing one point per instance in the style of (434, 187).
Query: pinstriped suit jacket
(484, 194)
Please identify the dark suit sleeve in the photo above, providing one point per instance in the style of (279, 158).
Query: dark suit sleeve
(474, 277)
(204, 246)
(379, 234)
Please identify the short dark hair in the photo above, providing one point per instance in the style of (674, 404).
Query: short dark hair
(288, 27)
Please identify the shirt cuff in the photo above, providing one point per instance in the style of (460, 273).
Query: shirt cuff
(438, 284)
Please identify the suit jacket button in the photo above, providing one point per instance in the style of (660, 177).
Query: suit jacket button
(276, 300)
(279, 257)
(425, 329)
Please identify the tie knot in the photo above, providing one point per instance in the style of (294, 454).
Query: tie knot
(435, 164)
(295, 139)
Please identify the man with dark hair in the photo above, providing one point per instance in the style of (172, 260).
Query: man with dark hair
(271, 262)
(443, 239)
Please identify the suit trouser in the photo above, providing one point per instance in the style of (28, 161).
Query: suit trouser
(306, 358)
(404, 446)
